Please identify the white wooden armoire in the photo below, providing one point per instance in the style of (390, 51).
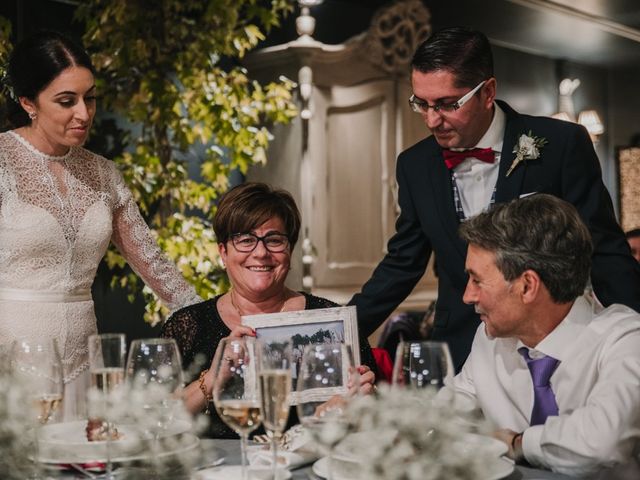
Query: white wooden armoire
(339, 164)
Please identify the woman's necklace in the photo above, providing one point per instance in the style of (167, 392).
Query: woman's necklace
(240, 314)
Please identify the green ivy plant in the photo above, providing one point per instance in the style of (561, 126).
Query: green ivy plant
(5, 50)
(169, 67)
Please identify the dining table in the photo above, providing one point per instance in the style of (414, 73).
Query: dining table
(214, 455)
(231, 449)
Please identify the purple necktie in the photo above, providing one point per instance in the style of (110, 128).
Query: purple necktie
(544, 401)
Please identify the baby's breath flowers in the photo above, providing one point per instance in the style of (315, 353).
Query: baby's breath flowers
(409, 436)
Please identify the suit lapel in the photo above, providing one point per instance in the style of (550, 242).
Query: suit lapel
(508, 188)
(441, 183)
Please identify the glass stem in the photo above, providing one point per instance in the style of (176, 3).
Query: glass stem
(243, 456)
(274, 451)
(329, 466)
(109, 472)
(35, 474)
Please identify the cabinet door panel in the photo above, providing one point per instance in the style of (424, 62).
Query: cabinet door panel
(353, 209)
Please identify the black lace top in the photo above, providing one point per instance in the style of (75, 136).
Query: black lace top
(199, 328)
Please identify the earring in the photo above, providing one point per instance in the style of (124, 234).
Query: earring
(33, 115)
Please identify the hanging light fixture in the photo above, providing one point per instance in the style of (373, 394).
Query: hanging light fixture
(587, 118)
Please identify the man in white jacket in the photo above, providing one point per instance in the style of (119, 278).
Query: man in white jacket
(560, 382)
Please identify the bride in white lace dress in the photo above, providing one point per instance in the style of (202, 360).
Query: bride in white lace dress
(60, 205)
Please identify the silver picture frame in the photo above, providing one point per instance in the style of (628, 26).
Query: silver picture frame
(324, 325)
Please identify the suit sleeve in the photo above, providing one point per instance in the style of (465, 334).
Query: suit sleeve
(402, 267)
(615, 274)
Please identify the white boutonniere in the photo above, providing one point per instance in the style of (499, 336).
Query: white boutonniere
(528, 148)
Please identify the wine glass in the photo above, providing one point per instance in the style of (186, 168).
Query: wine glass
(422, 364)
(326, 369)
(106, 366)
(37, 365)
(235, 389)
(38, 362)
(155, 368)
(275, 390)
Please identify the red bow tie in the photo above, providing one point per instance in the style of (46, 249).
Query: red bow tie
(454, 158)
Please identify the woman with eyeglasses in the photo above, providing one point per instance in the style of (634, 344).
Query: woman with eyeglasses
(257, 228)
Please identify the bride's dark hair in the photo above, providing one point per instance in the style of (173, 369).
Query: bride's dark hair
(34, 63)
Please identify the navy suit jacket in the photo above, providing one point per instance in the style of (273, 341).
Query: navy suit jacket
(567, 167)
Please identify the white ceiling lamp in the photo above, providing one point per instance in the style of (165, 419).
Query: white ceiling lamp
(566, 111)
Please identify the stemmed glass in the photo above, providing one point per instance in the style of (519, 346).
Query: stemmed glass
(235, 389)
(106, 366)
(422, 364)
(154, 365)
(37, 365)
(275, 390)
(326, 368)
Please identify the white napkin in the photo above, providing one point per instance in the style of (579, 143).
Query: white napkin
(227, 472)
(262, 457)
(296, 450)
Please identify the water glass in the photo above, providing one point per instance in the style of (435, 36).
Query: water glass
(422, 364)
(326, 381)
(154, 368)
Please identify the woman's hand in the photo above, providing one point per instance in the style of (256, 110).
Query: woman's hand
(230, 357)
(242, 331)
(367, 380)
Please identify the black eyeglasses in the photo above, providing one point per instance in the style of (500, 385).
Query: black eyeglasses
(247, 242)
(420, 106)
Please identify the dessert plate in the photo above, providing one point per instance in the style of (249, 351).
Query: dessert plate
(67, 443)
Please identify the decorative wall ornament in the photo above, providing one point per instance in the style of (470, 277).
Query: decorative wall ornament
(395, 33)
(628, 163)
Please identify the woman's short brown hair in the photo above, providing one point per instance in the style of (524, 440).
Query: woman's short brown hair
(247, 206)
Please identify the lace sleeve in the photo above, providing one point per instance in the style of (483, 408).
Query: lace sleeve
(134, 240)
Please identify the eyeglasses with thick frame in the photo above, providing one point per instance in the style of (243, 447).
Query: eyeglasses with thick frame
(247, 242)
(420, 106)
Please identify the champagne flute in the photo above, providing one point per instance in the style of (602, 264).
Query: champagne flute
(235, 389)
(106, 366)
(154, 366)
(422, 364)
(275, 391)
(326, 368)
(37, 364)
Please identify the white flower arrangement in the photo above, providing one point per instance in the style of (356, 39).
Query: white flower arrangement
(150, 410)
(17, 425)
(413, 437)
(527, 148)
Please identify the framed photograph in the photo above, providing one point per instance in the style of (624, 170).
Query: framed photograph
(304, 327)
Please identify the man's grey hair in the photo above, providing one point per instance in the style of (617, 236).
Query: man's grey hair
(541, 233)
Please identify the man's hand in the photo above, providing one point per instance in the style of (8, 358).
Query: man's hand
(513, 440)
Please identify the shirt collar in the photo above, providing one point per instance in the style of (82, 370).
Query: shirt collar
(557, 343)
(493, 137)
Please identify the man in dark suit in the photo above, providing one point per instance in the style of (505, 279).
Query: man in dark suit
(481, 151)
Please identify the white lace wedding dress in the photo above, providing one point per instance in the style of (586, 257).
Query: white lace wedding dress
(57, 216)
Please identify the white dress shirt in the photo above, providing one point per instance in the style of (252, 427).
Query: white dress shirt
(596, 385)
(476, 179)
